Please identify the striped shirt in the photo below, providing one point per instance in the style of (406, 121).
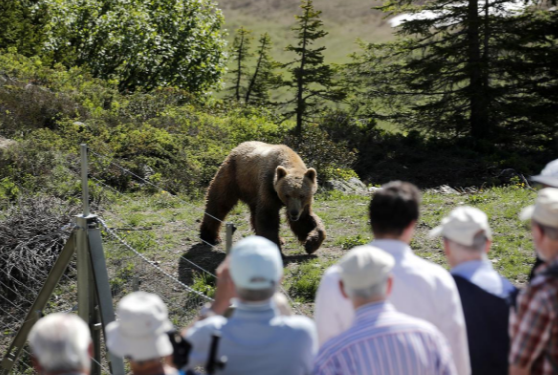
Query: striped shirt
(383, 341)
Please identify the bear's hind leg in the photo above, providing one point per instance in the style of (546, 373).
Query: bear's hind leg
(309, 230)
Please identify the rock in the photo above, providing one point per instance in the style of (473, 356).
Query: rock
(351, 187)
(5, 143)
(444, 189)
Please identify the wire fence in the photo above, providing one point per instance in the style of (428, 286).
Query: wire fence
(136, 259)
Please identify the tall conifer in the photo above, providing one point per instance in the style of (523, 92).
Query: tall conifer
(311, 79)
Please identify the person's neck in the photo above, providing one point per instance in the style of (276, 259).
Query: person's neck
(154, 367)
(358, 302)
(455, 263)
(390, 237)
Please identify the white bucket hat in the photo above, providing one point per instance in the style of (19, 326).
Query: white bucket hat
(255, 264)
(365, 266)
(549, 175)
(140, 332)
(545, 209)
(462, 225)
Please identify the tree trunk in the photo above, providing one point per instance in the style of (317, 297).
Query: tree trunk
(239, 74)
(478, 101)
(300, 102)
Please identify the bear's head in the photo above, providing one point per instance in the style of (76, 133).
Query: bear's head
(295, 188)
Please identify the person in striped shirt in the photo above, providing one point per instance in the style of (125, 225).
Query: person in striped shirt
(381, 341)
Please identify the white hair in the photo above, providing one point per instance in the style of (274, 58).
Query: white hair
(461, 252)
(374, 291)
(60, 342)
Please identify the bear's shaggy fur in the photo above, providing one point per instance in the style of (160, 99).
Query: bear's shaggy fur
(265, 177)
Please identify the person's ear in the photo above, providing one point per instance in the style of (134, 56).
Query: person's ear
(488, 245)
(447, 249)
(36, 364)
(389, 285)
(342, 289)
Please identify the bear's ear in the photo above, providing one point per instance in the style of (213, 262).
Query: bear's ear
(311, 174)
(280, 172)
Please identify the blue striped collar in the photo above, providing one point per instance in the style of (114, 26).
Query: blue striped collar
(372, 310)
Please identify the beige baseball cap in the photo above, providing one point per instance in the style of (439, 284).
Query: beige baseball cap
(365, 266)
(545, 209)
(549, 175)
(462, 225)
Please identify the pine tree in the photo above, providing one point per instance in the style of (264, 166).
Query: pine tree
(240, 53)
(264, 77)
(452, 72)
(312, 79)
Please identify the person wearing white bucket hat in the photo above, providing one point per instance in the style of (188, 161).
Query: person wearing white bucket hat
(533, 328)
(141, 334)
(485, 295)
(256, 339)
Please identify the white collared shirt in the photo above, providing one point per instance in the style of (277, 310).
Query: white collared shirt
(421, 289)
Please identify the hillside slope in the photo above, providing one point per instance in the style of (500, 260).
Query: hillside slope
(345, 20)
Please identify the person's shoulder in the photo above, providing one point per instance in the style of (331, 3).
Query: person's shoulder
(297, 323)
(408, 322)
(209, 324)
(430, 271)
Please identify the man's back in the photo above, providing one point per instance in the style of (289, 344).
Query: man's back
(257, 340)
(421, 289)
(384, 341)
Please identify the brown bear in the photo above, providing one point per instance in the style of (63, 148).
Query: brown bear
(265, 177)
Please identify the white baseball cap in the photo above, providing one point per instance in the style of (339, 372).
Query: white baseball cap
(549, 175)
(545, 209)
(462, 225)
(365, 266)
(140, 332)
(255, 263)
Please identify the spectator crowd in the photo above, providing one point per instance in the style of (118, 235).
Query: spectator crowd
(380, 310)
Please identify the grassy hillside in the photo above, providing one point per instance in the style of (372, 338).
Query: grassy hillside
(165, 230)
(345, 20)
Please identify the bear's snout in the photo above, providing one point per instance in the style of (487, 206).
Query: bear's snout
(294, 215)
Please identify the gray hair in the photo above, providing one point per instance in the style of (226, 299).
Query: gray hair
(60, 343)
(478, 246)
(550, 232)
(376, 290)
(255, 295)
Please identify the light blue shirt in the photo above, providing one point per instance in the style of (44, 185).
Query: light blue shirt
(257, 340)
(481, 273)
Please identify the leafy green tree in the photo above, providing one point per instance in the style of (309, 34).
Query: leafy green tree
(312, 80)
(142, 44)
(264, 78)
(455, 67)
(23, 23)
(240, 52)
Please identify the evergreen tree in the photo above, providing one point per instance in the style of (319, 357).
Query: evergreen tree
(312, 79)
(457, 70)
(264, 77)
(240, 54)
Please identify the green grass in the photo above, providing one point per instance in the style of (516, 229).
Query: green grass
(174, 233)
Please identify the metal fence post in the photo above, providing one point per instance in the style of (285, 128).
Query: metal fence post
(230, 231)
